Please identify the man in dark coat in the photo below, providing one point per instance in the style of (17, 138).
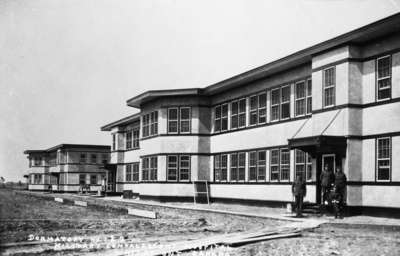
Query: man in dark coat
(326, 178)
(299, 191)
(340, 189)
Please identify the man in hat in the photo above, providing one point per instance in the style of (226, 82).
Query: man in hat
(299, 191)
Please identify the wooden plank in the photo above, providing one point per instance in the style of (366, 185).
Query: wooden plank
(80, 203)
(57, 199)
(142, 213)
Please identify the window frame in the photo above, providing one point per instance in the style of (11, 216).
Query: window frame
(91, 179)
(173, 120)
(93, 158)
(377, 159)
(285, 102)
(308, 96)
(297, 99)
(325, 88)
(307, 162)
(220, 168)
(83, 160)
(114, 141)
(179, 120)
(150, 124)
(275, 105)
(377, 89)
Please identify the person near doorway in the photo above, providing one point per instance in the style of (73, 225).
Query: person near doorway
(326, 178)
(299, 191)
(340, 190)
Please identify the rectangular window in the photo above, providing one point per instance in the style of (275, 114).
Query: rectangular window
(114, 141)
(173, 120)
(93, 179)
(153, 168)
(253, 166)
(150, 124)
(104, 158)
(285, 102)
(37, 161)
(135, 171)
(234, 115)
(329, 80)
(262, 108)
(384, 77)
(274, 165)
(128, 172)
(300, 98)
(238, 165)
(136, 139)
(275, 101)
(82, 158)
(172, 168)
(82, 179)
(285, 164)
(261, 165)
(221, 118)
(37, 179)
(128, 138)
(383, 160)
(184, 167)
(220, 167)
(303, 164)
(93, 158)
(309, 96)
(184, 121)
(253, 115)
(145, 168)
(234, 167)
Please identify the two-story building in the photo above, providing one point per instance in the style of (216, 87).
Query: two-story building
(336, 103)
(66, 167)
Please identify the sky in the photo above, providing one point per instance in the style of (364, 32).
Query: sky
(68, 67)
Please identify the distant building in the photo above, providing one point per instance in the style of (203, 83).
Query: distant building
(336, 103)
(64, 168)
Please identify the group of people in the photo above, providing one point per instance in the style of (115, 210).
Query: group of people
(333, 186)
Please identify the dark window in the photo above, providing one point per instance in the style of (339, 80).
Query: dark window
(128, 172)
(220, 167)
(285, 165)
(309, 96)
(274, 164)
(145, 168)
(384, 77)
(238, 165)
(82, 179)
(383, 160)
(93, 158)
(114, 142)
(173, 120)
(136, 138)
(275, 101)
(300, 99)
(303, 164)
(253, 166)
(172, 168)
(153, 168)
(150, 124)
(93, 179)
(184, 122)
(285, 102)
(82, 158)
(329, 80)
(184, 167)
(261, 165)
(129, 137)
(37, 161)
(253, 110)
(132, 172)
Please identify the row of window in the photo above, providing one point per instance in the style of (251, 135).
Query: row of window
(257, 113)
(179, 120)
(93, 158)
(93, 180)
(279, 165)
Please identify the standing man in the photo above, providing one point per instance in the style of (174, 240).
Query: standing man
(326, 183)
(340, 187)
(299, 191)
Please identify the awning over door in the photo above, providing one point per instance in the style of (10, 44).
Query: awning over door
(320, 144)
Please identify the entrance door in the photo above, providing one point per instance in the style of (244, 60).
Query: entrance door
(328, 160)
(110, 181)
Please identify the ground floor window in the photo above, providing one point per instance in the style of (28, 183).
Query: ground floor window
(178, 167)
(37, 179)
(149, 168)
(257, 165)
(132, 172)
(93, 179)
(280, 164)
(383, 159)
(238, 166)
(303, 164)
(82, 179)
(220, 167)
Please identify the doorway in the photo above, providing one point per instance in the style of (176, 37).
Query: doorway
(330, 161)
(110, 187)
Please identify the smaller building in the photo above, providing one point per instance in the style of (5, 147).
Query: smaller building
(68, 167)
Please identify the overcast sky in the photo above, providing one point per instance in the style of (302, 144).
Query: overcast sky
(68, 67)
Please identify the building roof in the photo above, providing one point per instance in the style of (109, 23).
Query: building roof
(66, 146)
(122, 121)
(361, 35)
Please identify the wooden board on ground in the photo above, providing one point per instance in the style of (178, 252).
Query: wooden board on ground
(80, 203)
(142, 213)
(57, 199)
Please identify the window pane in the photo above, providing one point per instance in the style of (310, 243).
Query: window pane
(384, 67)
(185, 113)
(185, 126)
(275, 95)
(300, 90)
(235, 108)
(253, 102)
(285, 110)
(285, 93)
(173, 114)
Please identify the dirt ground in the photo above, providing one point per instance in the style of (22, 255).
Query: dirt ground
(22, 215)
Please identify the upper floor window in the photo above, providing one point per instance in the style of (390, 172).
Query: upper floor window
(329, 81)
(149, 168)
(384, 76)
(104, 158)
(258, 109)
(132, 139)
(114, 141)
(220, 167)
(132, 172)
(383, 159)
(303, 164)
(93, 158)
(303, 98)
(280, 103)
(179, 120)
(37, 161)
(221, 118)
(238, 165)
(178, 168)
(82, 158)
(238, 114)
(150, 124)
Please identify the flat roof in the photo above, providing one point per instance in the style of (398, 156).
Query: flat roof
(66, 146)
(388, 25)
(122, 121)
